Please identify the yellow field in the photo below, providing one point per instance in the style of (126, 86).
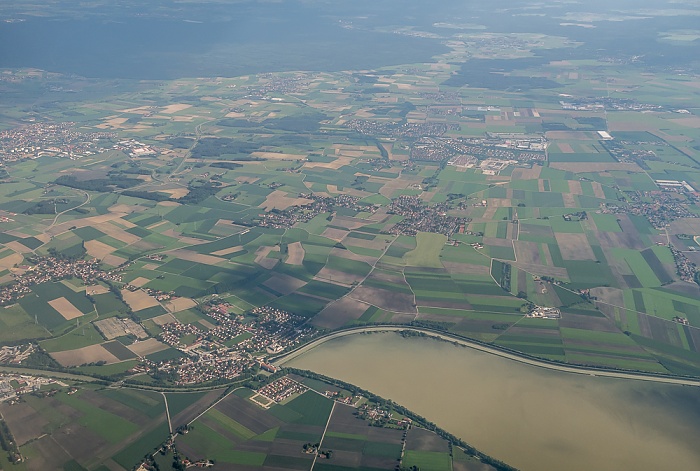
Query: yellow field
(113, 260)
(65, 308)
(140, 281)
(336, 164)
(10, 261)
(261, 257)
(170, 109)
(96, 289)
(146, 347)
(138, 299)
(179, 304)
(296, 254)
(228, 250)
(280, 200)
(164, 319)
(81, 356)
(98, 249)
(192, 256)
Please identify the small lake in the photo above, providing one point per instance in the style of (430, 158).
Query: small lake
(530, 417)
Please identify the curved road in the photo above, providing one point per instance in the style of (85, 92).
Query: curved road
(483, 348)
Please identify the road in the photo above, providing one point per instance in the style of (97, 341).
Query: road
(320, 443)
(494, 351)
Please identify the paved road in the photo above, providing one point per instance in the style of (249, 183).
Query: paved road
(494, 351)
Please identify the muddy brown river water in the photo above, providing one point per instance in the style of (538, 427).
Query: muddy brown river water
(530, 417)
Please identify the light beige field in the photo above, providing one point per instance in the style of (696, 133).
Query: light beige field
(163, 319)
(170, 109)
(336, 164)
(98, 249)
(103, 222)
(156, 225)
(261, 257)
(139, 110)
(10, 261)
(334, 234)
(598, 190)
(392, 186)
(17, 233)
(277, 156)
(138, 300)
(192, 256)
(176, 192)
(569, 200)
(280, 200)
(113, 260)
(65, 308)
(17, 247)
(296, 253)
(575, 187)
(344, 148)
(140, 281)
(96, 289)
(228, 250)
(179, 304)
(146, 347)
(499, 203)
(125, 208)
(80, 356)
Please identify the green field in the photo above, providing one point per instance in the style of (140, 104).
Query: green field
(427, 251)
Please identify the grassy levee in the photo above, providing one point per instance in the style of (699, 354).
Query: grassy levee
(501, 351)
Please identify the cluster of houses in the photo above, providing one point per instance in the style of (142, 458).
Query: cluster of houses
(396, 129)
(55, 139)
(419, 217)
(46, 269)
(209, 355)
(282, 388)
(285, 218)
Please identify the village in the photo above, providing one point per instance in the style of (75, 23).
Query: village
(286, 218)
(419, 217)
(509, 147)
(46, 269)
(235, 345)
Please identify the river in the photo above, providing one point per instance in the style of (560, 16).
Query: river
(530, 417)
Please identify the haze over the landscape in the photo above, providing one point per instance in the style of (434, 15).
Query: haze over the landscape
(349, 235)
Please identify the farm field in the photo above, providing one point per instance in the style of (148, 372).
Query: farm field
(568, 232)
(178, 226)
(111, 426)
(238, 431)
